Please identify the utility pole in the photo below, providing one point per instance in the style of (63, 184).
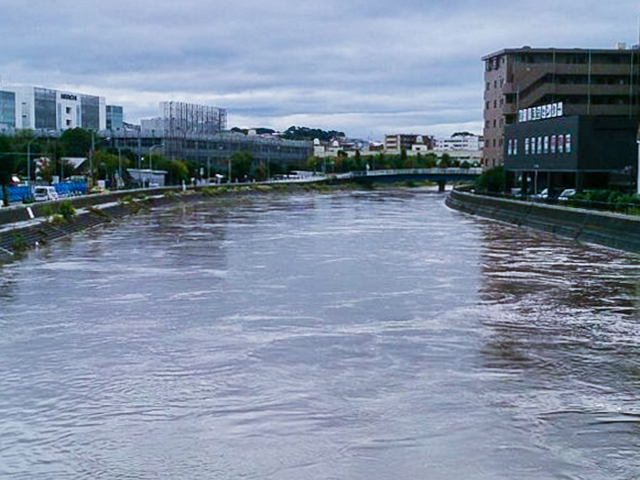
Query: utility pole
(93, 146)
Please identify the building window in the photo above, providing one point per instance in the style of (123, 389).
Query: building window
(487, 124)
(560, 143)
(546, 144)
(539, 149)
(494, 123)
(510, 147)
(552, 144)
(495, 84)
(501, 121)
(495, 104)
(494, 142)
(488, 105)
(68, 110)
(515, 146)
(567, 143)
(68, 123)
(488, 86)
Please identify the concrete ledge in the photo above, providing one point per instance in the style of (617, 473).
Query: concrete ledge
(609, 229)
(19, 213)
(92, 211)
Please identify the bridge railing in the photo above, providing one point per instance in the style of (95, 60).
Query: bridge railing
(417, 171)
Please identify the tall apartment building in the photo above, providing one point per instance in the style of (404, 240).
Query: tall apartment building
(582, 82)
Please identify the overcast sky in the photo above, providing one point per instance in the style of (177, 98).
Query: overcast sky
(364, 67)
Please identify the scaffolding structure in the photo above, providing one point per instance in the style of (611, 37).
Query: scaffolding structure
(181, 121)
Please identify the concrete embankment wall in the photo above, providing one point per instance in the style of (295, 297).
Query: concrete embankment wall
(19, 232)
(609, 229)
(19, 213)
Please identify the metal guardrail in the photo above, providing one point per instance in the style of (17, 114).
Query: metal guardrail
(411, 171)
(613, 207)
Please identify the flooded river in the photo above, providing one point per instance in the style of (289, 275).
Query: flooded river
(356, 335)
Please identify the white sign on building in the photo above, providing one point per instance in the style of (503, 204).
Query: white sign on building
(542, 112)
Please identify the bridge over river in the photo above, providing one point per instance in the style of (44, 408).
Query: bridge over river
(439, 175)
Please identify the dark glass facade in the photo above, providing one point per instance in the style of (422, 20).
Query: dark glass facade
(45, 108)
(115, 117)
(574, 151)
(7, 110)
(90, 112)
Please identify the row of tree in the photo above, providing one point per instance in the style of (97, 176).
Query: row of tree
(48, 159)
(27, 156)
(344, 163)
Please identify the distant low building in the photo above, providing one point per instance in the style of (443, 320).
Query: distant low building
(147, 177)
(458, 142)
(347, 146)
(395, 143)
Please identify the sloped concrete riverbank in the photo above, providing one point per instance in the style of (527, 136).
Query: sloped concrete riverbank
(602, 228)
(23, 227)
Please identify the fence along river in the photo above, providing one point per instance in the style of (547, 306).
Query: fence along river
(350, 335)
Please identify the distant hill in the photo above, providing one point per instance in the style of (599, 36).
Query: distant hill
(295, 133)
(306, 133)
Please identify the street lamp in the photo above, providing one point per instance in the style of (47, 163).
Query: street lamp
(151, 148)
(638, 140)
(91, 152)
(29, 155)
(535, 179)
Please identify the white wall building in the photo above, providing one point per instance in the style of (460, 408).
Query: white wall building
(45, 109)
(459, 142)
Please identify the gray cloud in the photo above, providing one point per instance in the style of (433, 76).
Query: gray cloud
(363, 67)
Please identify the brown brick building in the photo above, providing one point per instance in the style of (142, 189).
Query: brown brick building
(599, 83)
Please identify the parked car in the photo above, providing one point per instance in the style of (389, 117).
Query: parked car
(543, 195)
(564, 196)
(45, 194)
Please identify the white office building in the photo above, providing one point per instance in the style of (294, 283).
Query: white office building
(36, 108)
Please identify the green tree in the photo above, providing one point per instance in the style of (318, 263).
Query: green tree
(241, 165)
(492, 180)
(76, 142)
(7, 166)
(404, 159)
(430, 160)
(177, 170)
(105, 165)
(259, 172)
(359, 164)
(445, 161)
(314, 163)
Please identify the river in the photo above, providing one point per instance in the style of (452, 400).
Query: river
(350, 335)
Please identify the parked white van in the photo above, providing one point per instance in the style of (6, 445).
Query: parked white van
(45, 194)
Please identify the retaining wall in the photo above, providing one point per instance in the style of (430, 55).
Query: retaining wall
(609, 229)
(19, 213)
(27, 233)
